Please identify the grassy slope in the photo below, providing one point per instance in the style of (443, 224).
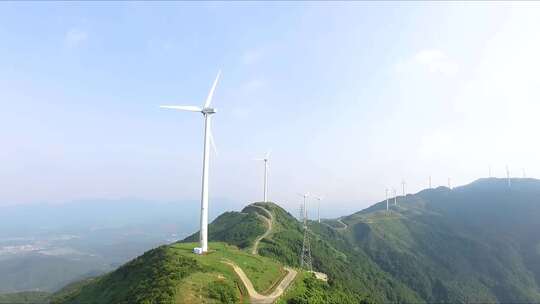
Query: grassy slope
(236, 228)
(173, 274)
(262, 272)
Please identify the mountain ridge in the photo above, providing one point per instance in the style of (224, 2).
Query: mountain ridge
(473, 243)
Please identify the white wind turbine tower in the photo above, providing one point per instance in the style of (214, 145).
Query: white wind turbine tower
(403, 187)
(508, 175)
(395, 196)
(305, 196)
(386, 191)
(430, 182)
(319, 199)
(266, 159)
(207, 111)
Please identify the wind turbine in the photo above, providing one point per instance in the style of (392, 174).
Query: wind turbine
(318, 208)
(207, 112)
(403, 186)
(305, 196)
(265, 160)
(386, 191)
(430, 182)
(508, 175)
(395, 196)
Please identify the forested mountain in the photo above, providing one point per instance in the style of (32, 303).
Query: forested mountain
(475, 243)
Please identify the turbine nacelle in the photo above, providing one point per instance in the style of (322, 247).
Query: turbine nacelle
(208, 110)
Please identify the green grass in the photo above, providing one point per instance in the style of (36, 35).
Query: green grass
(150, 278)
(263, 272)
(174, 274)
(307, 290)
(235, 228)
(201, 287)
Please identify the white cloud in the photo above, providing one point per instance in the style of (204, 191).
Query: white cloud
(432, 60)
(436, 61)
(75, 37)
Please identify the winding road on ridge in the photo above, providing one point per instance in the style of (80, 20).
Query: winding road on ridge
(344, 225)
(254, 296)
(268, 231)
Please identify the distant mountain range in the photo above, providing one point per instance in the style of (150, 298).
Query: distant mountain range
(472, 244)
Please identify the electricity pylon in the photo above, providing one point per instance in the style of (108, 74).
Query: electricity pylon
(305, 257)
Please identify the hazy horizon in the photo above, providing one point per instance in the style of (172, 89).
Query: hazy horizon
(351, 98)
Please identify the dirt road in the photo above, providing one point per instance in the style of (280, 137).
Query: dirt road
(344, 225)
(265, 234)
(254, 296)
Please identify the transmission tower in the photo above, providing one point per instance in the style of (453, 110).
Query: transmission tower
(305, 258)
(306, 252)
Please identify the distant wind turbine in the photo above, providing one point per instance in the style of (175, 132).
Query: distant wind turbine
(403, 187)
(430, 182)
(319, 199)
(386, 199)
(207, 111)
(508, 175)
(395, 196)
(266, 159)
(305, 196)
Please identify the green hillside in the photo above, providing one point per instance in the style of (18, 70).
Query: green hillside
(173, 274)
(476, 243)
(350, 273)
(235, 228)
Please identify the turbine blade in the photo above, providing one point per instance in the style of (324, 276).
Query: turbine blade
(183, 108)
(211, 93)
(268, 154)
(212, 142)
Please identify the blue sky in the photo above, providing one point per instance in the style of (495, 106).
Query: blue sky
(350, 97)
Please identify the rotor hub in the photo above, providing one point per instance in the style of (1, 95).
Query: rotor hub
(209, 110)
